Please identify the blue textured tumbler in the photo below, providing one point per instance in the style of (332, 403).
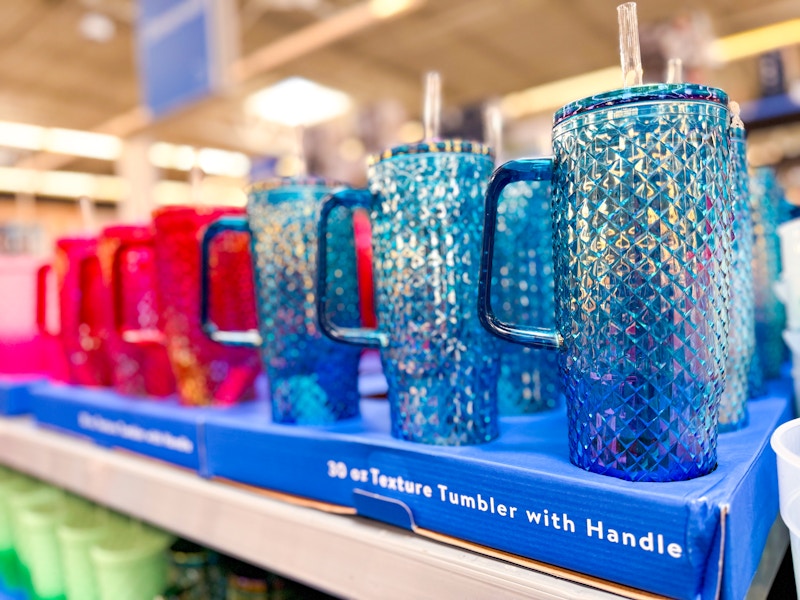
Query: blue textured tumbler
(523, 291)
(642, 260)
(426, 203)
(770, 315)
(741, 339)
(313, 381)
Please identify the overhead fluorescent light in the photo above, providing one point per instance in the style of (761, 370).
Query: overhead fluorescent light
(384, 9)
(549, 96)
(212, 161)
(21, 135)
(82, 143)
(553, 95)
(298, 101)
(757, 41)
(62, 184)
(60, 141)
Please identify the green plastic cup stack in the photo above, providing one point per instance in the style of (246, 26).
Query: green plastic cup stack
(132, 564)
(19, 500)
(76, 535)
(10, 570)
(37, 523)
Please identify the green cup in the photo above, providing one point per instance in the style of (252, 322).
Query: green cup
(18, 502)
(131, 565)
(76, 535)
(38, 523)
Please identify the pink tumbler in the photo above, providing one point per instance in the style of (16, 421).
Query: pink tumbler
(83, 311)
(139, 361)
(206, 372)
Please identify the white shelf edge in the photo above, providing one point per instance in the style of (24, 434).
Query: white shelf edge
(347, 556)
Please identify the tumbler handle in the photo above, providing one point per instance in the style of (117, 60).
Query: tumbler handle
(358, 336)
(529, 169)
(42, 275)
(244, 338)
(132, 336)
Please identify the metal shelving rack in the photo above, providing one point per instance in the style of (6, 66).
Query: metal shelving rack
(344, 555)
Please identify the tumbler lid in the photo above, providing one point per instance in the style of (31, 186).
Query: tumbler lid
(274, 183)
(654, 92)
(455, 146)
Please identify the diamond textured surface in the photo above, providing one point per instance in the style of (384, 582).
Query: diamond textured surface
(765, 195)
(742, 336)
(313, 380)
(440, 364)
(205, 372)
(523, 293)
(642, 264)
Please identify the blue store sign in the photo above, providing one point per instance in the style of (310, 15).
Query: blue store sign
(180, 46)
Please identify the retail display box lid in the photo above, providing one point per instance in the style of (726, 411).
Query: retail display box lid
(15, 392)
(520, 496)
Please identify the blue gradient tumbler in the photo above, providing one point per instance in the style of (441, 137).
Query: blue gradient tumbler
(312, 380)
(641, 265)
(426, 203)
(742, 338)
(523, 291)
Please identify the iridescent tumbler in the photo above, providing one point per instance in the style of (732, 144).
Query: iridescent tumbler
(642, 259)
(741, 339)
(205, 372)
(136, 347)
(523, 291)
(442, 368)
(770, 315)
(312, 379)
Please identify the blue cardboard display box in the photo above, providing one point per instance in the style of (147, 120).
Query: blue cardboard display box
(159, 429)
(15, 393)
(520, 495)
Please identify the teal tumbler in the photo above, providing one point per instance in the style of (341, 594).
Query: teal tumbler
(312, 380)
(741, 340)
(642, 258)
(426, 203)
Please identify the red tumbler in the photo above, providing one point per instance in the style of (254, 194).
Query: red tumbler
(83, 311)
(139, 361)
(206, 372)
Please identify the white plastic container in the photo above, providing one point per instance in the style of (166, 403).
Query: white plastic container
(786, 444)
(788, 287)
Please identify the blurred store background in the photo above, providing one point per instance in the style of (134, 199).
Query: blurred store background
(135, 104)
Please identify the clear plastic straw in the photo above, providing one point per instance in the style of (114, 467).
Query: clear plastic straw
(675, 70)
(493, 128)
(196, 177)
(87, 214)
(629, 52)
(432, 110)
(736, 114)
(300, 151)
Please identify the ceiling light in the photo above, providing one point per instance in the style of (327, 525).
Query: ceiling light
(383, 9)
(757, 41)
(82, 143)
(552, 95)
(549, 96)
(62, 184)
(212, 161)
(297, 101)
(97, 27)
(223, 162)
(20, 135)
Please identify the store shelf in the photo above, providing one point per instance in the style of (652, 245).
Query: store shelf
(344, 555)
(347, 556)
